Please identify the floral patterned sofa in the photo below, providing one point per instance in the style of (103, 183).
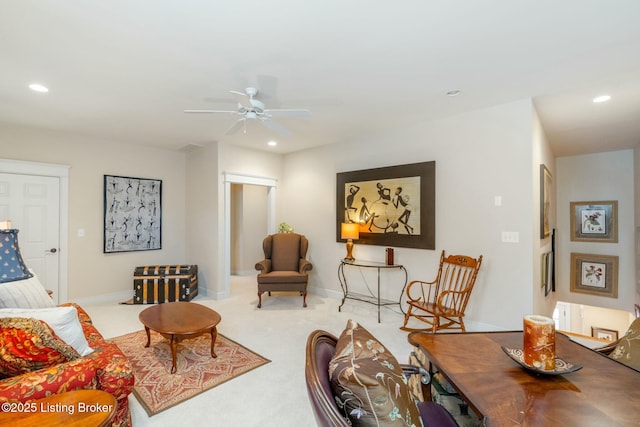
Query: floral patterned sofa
(106, 368)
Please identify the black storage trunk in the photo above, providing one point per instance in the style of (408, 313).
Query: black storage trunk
(153, 284)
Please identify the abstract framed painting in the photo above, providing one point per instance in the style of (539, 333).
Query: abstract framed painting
(132, 214)
(394, 205)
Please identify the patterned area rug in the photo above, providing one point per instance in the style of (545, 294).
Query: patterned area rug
(157, 389)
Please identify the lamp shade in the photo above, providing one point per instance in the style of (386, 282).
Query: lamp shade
(12, 267)
(5, 225)
(350, 230)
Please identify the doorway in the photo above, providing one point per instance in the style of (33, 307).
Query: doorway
(248, 227)
(45, 234)
(238, 179)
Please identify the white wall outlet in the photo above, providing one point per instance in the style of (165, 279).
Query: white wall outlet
(80, 232)
(497, 200)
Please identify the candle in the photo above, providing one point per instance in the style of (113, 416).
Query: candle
(539, 342)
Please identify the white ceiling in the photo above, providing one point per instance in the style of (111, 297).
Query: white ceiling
(126, 69)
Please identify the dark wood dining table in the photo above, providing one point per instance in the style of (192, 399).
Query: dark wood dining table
(603, 393)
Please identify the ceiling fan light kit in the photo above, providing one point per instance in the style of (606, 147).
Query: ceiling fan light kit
(250, 108)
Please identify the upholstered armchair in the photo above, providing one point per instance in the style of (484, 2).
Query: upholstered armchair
(284, 267)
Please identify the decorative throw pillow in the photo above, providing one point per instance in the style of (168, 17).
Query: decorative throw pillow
(63, 320)
(12, 266)
(628, 349)
(26, 293)
(28, 344)
(368, 383)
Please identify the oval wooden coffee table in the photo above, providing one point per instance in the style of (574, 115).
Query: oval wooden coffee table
(177, 321)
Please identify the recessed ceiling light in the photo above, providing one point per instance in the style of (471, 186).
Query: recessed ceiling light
(272, 143)
(38, 87)
(602, 98)
(453, 93)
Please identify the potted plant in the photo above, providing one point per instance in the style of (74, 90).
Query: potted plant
(285, 228)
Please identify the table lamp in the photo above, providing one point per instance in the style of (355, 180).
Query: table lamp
(350, 231)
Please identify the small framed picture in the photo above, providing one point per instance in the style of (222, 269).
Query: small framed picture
(594, 274)
(604, 334)
(545, 201)
(549, 281)
(594, 221)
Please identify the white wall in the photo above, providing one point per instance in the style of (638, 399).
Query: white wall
(201, 206)
(92, 273)
(542, 155)
(479, 155)
(636, 194)
(255, 226)
(583, 317)
(248, 227)
(206, 169)
(595, 177)
(236, 228)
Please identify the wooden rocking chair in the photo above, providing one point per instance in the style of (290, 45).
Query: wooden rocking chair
(442, 302)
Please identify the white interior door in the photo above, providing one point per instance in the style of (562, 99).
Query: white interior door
(32, 203)
(562, 316)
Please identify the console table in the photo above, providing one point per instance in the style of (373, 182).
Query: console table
(371, 298)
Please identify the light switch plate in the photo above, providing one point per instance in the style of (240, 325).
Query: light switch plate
(510, 237)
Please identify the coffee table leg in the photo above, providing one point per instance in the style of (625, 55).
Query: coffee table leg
(174, 351)
(214, 336)
(146, 329)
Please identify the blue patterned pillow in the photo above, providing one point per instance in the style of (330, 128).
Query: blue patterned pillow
(12, 266)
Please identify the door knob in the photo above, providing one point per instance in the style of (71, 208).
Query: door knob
(53, 250)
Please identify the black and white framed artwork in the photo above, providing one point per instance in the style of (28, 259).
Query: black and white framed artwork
(132, 214)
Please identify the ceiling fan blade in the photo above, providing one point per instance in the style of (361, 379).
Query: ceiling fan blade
(210, 111)
(288, 112)
(236, 126)
(268, 86)
(275, 126)
(241, 98)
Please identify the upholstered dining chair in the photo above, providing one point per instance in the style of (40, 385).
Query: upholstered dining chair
(284, 267)
(442, 302)
(321, 346)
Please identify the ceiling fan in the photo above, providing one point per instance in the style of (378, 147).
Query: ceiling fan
(250, 108)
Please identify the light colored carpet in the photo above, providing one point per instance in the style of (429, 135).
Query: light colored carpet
(157, 389)
(274, 395)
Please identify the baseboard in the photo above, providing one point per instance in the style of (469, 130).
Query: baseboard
(215, 294)
(472, 326)
(244, 272)
(104, 298)
(326, 293)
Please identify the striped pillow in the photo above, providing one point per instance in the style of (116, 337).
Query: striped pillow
(27, 293)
